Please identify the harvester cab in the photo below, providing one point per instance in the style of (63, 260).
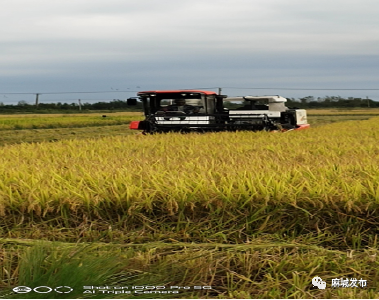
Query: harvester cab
(194, 110)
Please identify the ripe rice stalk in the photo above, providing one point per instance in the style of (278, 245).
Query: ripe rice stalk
(209, 175)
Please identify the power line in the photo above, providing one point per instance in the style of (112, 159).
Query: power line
(300, 89)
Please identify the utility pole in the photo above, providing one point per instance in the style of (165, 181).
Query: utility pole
(37, 95)
(80, 104)
(368, 101)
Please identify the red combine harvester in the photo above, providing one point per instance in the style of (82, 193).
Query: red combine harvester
(194, 110)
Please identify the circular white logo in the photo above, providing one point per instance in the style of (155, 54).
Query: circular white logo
(43, 291)
(22, 289)
(63, 289)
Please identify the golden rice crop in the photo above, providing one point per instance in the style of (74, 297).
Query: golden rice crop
(234, 184)
(254, 215)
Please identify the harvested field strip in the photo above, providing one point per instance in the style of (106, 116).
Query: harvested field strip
(64, 121)
(9, 137)
(87, 131)
(343, 112)
(258, 244)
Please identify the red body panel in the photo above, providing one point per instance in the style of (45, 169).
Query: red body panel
(134, 125)
(304, 126)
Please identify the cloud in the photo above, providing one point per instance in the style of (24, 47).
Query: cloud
(92, 43)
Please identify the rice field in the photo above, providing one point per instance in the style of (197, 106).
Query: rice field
(344, 112)
(46, 121)
(241, 215)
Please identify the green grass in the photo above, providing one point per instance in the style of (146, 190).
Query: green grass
(264, 268)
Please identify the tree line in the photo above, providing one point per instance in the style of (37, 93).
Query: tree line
(122, 105)
(115, 104)
(332, 102)
(326, 102)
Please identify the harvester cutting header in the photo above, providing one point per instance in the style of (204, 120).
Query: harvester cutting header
(195, 110)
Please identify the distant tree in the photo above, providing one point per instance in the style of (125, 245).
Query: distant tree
(22, 103)
(65, 106)
(307, 99)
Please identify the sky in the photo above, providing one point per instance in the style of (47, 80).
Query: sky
(97, 50)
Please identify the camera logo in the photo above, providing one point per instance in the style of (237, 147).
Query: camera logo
(317, 281)
(43, 289)
(22, 289)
